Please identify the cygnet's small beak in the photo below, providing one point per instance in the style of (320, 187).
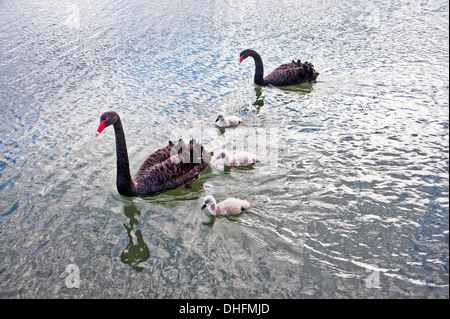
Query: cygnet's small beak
(203, 207)
(217, 119)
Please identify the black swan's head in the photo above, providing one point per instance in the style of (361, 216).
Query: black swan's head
(245, 54)
(107, 119)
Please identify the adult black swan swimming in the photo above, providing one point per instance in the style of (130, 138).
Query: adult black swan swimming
(168, 168)
(292, 73)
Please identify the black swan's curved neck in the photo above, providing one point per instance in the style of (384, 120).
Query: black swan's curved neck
(259, 69)
(124, 181)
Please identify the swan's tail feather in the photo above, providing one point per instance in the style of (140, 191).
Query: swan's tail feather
(306, 70)
(191, 154)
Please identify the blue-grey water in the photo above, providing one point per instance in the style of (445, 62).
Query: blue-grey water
(350, 199)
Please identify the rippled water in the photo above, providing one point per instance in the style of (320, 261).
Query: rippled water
(350, 200)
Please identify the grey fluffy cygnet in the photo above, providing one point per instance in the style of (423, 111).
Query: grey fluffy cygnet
(230, 206)
(227, 121)
(239, 159)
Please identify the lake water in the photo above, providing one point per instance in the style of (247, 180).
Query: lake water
(350, 199)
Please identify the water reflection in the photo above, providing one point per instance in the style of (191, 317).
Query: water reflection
(221, 130)
(305, 87)
(259, 102)
(136, 251)
(227, 169)
(212, 219)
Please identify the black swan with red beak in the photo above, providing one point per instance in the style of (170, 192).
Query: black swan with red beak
(292, 73)
(168, 168)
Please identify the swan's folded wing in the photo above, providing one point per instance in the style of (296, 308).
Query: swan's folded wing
(157, 157)
(292, 73)
(283, 75)
(158, 173)
(173, 172)
(185, 178)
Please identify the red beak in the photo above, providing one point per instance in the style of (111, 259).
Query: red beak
(101, 127)
(241, 59)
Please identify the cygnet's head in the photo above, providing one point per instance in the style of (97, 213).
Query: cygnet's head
(209, 201)
(223, 154)
(220, 117)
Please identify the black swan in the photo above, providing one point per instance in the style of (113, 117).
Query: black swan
(286, 74)
(168, 168)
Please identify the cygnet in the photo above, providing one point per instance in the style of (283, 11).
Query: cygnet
(227, 121)
(239, 159)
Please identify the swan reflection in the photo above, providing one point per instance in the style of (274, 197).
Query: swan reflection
(136, 251)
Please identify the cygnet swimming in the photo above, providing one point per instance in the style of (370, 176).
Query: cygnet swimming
(227, 121)
(230, 206)
(239, 159)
